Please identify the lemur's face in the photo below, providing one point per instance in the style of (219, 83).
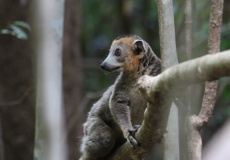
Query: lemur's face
(124, 55)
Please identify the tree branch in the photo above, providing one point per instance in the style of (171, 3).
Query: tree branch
(198, 122)
(206, 68)
(213, 47)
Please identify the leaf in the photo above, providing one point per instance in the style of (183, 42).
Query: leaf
(5, 31)
(23, 24)
(18, 32)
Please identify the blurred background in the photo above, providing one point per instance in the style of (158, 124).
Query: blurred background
(92, 26)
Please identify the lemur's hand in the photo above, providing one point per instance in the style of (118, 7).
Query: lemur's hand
(131, 137)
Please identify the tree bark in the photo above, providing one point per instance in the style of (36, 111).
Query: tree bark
(196, 123)
(168, 59)
(72, 74)
(16, 77)
(50, 134)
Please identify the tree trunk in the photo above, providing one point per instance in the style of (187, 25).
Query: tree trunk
(50, 134)
(169, 59)
(16, 86)
(72, 74)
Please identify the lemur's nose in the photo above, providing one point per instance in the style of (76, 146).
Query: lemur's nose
(103, 65)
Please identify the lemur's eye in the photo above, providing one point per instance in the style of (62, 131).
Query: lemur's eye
(117, 52)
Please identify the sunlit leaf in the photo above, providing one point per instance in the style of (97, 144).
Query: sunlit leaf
(18, 32)
(22, 24)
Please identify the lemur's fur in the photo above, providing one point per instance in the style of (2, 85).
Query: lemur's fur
(111, 119)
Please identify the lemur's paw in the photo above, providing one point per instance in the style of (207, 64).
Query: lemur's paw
(136, 127)
(131, 137)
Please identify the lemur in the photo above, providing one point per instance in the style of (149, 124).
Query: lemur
(111, 119)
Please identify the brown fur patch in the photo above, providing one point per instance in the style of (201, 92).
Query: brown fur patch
(127, 41)
(133, 61)
(133, 64)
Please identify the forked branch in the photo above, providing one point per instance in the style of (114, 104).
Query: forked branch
(196, 123)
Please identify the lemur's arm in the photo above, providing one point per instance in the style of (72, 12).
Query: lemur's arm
(119, 106)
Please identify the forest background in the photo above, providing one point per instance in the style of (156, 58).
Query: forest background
(94, 25)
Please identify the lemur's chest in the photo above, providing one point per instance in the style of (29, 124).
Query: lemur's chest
(137, 105)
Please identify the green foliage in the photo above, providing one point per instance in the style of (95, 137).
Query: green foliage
(17, 29)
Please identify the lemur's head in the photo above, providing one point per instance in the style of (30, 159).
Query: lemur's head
(124, 54)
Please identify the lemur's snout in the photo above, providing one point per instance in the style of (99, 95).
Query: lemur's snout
(108, 67)
(103, 66)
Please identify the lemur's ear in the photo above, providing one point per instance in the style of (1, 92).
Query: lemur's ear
(138, 47)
